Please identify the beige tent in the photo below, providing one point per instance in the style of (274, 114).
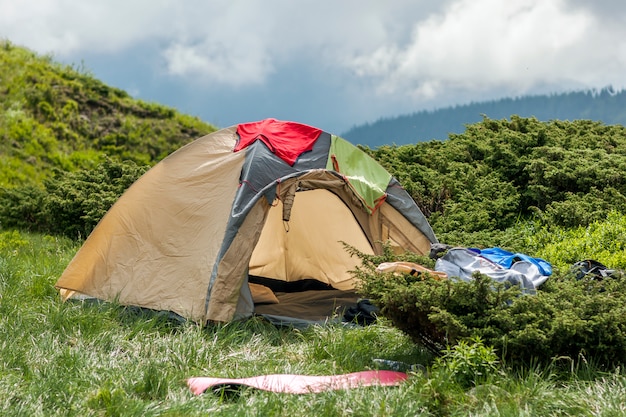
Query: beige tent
(265, 205)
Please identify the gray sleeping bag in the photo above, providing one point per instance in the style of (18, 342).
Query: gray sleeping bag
(462, 263)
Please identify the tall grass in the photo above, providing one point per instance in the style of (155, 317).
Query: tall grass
(101, 359)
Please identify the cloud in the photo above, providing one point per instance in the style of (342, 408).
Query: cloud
(236, 43)
(489, 44)
(213, 62)
(361, 58)
(243, 44)
(66, 27)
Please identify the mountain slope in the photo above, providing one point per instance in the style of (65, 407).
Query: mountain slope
(56, 117)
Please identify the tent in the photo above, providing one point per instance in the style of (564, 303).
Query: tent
(225, 226)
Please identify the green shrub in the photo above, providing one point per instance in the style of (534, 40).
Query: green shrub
(468, 363)
(76, 202)
(566, 318)
(70, 204)
(21, 207)
(570, 173)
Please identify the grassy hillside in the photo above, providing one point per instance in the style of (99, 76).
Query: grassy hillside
(58, 117)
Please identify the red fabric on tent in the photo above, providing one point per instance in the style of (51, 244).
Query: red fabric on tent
(288, 140)
(300, 384)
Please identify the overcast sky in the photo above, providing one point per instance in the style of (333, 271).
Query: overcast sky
(332, 64)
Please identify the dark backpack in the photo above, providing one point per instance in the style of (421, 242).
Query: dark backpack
(592, 269)
(364, 313)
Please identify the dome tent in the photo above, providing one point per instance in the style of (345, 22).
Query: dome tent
(269, 202)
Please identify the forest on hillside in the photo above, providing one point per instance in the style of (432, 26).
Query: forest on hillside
(606, 105)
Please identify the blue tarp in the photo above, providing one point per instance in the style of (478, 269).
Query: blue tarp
(507, 259)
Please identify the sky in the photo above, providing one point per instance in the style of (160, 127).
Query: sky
(332, 64)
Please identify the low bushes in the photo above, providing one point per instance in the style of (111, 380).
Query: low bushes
(70, 204)
(566, 318)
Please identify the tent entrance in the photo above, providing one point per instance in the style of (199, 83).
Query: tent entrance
(304, 261)
(308, 300)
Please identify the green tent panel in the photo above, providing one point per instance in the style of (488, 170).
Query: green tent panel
(366, 176)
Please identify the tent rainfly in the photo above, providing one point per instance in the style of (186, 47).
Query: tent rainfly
(261, 208)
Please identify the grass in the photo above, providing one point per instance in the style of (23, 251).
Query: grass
(101, 359)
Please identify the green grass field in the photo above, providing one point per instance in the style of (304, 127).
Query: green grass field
(86, 359)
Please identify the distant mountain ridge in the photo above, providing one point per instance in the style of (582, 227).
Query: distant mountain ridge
(606, 105)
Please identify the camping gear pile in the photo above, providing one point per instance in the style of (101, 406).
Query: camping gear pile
(498, 264)
(462, 263)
